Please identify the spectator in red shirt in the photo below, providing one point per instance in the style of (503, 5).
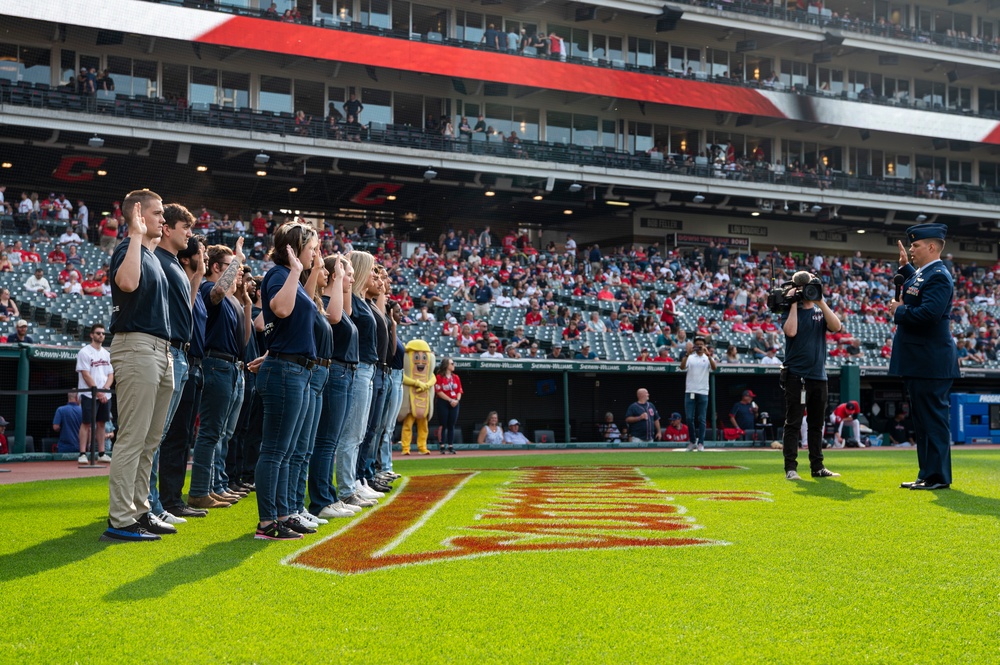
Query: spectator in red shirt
(571, 332)
(663, 356)
(258, 224)
(64, 274)
(57, 256)
(886, 351)
(4, 449)
(739, 326)
(644, 356)
(534, 316)
(92, 286)
(676, 430)
(204, 220)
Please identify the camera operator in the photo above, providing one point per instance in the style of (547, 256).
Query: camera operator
(803, 374)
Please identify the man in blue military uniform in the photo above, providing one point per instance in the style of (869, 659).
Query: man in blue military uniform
(923, 352)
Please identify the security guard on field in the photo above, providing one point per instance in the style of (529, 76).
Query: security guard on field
(923, 352)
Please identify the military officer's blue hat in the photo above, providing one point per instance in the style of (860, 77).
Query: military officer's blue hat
(926, 232)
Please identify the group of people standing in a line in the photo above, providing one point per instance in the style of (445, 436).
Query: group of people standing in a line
(327, 369)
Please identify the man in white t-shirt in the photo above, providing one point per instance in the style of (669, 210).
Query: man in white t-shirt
(491, 352)
(698, 364)
(63, 208)
(69, 237)
(93, 366)
(83, 214)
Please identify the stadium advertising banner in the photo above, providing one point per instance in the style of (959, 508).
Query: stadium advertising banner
(699, 240)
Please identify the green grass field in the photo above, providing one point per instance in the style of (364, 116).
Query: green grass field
(850, 569)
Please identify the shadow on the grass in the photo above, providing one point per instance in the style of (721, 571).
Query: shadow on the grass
(72, 547)
(206, 563)
(829, 488)
(965, 504)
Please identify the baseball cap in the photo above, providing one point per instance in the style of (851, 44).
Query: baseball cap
(852, 406)
(675, 416)
(21, 323)
(3, 422)
(512, 422)
(749, 393)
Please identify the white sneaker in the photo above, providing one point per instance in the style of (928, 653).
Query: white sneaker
(339, 509)
(701, 447)
(860, 445)
(367, 492)
(689, 448)
(312, 518)
(104, 458)
(83, 459)
(792, 475)
(305, 521)
(171, 519)
(358, 501)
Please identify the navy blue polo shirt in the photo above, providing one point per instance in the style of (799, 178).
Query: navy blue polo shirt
(324, 336)
(743, 413)
(345, 338)
(145, 309)
(178, 296)
(69, 417)
(483, 295)
(399, 356)
(367, 337)
(222, 330)
(381, 336)
(642, 429)
(199, 319)
(294, 333)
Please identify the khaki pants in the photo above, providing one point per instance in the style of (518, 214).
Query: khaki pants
(144, 376)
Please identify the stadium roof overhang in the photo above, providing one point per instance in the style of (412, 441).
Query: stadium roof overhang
(347, 179)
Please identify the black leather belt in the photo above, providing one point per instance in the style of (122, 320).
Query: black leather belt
(323, 362)
(385, 368)
(219, 355)
(183, 346)
(343, 364)
(194, 361)
(305, 361)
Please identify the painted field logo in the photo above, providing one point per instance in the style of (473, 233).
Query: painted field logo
(541, 509)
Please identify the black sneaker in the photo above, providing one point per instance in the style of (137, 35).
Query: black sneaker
(275, 531)
(248, 487)
(154, 524)
(128, 534)
(825, 473)
(379, 486)
(185, 510)
(296, 525)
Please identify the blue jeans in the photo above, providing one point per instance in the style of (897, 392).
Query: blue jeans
(298, 467)
(353, 433)
(283, 388)
(695, 411)
(336, 402)
(220, 479)
(372, 440)
(217, 398)
(447, 418)
(180, 378)
(393, 400)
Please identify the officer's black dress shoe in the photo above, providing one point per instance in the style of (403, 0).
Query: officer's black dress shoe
(909, 486)
(931, 486)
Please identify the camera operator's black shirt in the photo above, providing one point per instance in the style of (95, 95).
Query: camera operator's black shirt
(805, 354)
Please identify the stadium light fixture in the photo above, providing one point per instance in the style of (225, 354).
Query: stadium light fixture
(390, 197)
(261, 158)
(816, 208)
(490, 192)
(201, 168)
(755, 213)
(95, 141)
(861, 231)
(430, 173)
(293, 190)
(102, 172)
(7, 165)
(699, 198)
(921, 217)
(623, 204)
(567, 212)
(537, 197)
(575, 187)
(261, 173)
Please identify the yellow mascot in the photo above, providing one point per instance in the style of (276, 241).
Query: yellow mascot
(418, 395)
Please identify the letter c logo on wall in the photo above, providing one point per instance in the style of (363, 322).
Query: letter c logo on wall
(78, 168)
(374, 193)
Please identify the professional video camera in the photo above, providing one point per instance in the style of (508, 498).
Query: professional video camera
(802, 286)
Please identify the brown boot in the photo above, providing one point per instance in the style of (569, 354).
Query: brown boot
(224, 498)
(205, 502)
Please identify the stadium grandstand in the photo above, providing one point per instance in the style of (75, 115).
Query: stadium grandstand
(623, 175)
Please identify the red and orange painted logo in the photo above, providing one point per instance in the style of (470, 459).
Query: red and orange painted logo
(546, 508)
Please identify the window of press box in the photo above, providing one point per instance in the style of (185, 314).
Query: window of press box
(930, 167)
(375, 13)
(334, 11)
(378, 106)
(959, 171)
(411, 18)
(21, 63)
(275, 94)
(989, 175)
(133, 77)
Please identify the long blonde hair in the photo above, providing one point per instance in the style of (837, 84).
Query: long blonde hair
(363, 262)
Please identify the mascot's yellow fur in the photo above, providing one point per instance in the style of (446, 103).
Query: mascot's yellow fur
(418, 394)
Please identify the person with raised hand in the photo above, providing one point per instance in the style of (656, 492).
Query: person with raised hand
(140, 358)
(283, 376)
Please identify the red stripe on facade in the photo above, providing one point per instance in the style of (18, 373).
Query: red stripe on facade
(454, 62)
